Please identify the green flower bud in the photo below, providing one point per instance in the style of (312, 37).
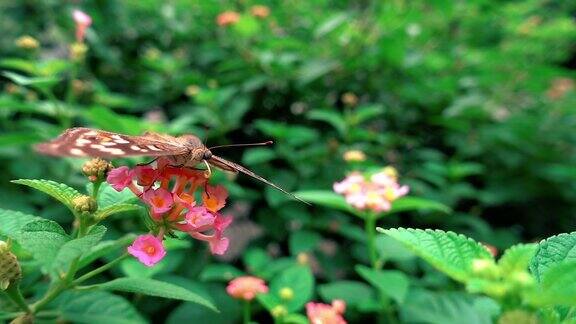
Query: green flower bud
(85, 204)
(279, 311)
(9, 267)
(96, 169)
(286, 293)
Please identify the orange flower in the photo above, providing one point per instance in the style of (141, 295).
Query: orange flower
(260, 11)
(246, 287)
(214, 197)
(227, 18)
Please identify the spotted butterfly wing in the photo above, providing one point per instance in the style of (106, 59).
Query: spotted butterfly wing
(81, 141)
(226, 165)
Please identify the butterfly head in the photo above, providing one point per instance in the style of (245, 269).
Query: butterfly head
(207, 154)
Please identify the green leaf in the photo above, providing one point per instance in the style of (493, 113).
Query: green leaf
(442, 308)
(356, 294)
(414, 203)
(517, 258)
(557, 286)
(151, 287)
(303, 241)
(391, 283)
(12, 222)
(448, 252)
(330, 24)
(105, 248)
(107, 196)
(41, 83)
(230, 308)
(333, 118)
(258, 155)
(43, 239)
(299, 279)
(327, 199)
(103, 213)
(98, 307)
(314, 69)
(295, 319)
(59, 191)
(219, 272)
(552, 251)
(75, 248)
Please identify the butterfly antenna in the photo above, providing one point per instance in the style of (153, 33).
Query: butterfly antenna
(242, 145)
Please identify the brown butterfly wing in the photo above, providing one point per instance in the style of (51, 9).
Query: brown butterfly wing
(226, 165)
(81, 141)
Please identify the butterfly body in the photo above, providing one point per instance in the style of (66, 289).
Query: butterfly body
(183, 151)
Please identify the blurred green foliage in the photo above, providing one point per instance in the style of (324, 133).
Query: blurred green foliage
(473, 101)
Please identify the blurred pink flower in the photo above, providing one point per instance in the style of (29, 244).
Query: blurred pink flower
(319, 313)
(198, 217)
(145, 175)
(246, 287)
(83, 21)
(227, 18)
(147, 249)
(120, 178)
(377, 194)
(260, 11)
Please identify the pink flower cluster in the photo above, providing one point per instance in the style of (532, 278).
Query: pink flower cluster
(246, 287)
(319, 313)
(169, 192)
(375, 193)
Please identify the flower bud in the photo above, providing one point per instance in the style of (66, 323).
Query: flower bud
(78, 51)
(354, 156)
(286, 293)
(9, 268)
(27, 42)
(279, 311)
(85, 204)
(96, 169)
(303, 258)
(349, 99)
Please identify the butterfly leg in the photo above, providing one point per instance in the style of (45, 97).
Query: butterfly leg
(147, 163)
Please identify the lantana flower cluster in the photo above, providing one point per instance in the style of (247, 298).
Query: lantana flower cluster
(375, 192)
(319, 313)
(170, 193)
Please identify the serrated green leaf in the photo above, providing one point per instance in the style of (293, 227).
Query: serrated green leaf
(43, 239)
(59, 191)
(98, 307)
(12, 222)
(448, 252)
(390, 283)
(219, 272)
(73, 249)
(557, 286)
(552, 251)
(103, 213)
(356, 294)
(299, 279)
(151, 287)
(517, 258)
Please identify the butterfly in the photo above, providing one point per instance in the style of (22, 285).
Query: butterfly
(183, 151)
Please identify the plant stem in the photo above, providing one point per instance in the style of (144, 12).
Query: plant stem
(247, 312)
(95, 189)
(100, 269)
(13, 292)
(370, 228)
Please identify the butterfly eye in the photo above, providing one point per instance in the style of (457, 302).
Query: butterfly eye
(207, 155)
